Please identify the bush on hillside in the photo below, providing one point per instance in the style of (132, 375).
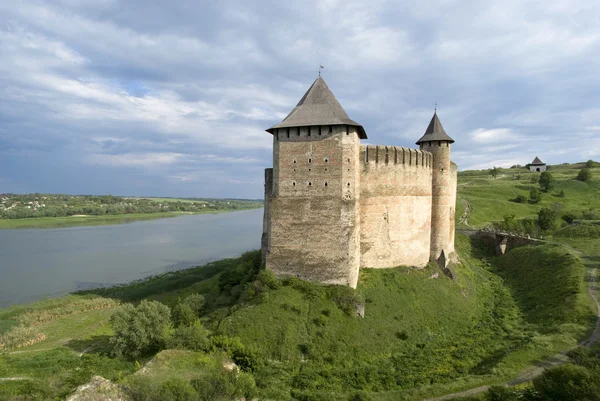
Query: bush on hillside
(547, 219)
(140, 330)
(568, 382)
(535, 196)
(196, 302)
(176, 389)
(591, 215)
(347, 299)
(561, 194)
(546, 181)
(225, 385)
(569, 217)
(584, 175)
(183, 315)
(589, 164)
(193, 337)
(244, 357)
(520, 199)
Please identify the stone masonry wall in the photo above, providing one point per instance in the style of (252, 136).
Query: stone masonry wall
(443, 198)
(314, 230)
(395, 206)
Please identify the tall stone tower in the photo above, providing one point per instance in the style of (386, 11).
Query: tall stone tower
(312, 200)
(437, 142)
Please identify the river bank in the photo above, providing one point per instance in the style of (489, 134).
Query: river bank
(88, 220)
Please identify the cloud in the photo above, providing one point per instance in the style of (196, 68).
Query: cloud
(173, 98)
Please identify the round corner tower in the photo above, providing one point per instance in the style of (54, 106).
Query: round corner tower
(437, 142)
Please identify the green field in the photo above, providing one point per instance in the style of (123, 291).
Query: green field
(422, 335)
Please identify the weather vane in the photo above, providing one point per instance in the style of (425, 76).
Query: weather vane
(320, 68)
(435, 108)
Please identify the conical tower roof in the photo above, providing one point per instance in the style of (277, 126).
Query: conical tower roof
(537, 161)
(435, 131)
(318, 106)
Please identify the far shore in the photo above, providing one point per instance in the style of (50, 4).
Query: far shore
(91, 220)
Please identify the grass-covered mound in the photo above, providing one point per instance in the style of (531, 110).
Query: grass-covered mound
(548, 284)
(579, 231)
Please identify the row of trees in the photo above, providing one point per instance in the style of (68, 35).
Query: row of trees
(28, 206)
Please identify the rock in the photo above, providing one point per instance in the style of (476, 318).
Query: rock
(434, 275)
(98, 389)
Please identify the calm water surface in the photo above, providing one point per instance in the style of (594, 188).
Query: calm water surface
(40, 263)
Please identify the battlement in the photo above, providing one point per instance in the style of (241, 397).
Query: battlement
(382, 155)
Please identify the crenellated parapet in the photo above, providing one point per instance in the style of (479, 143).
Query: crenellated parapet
(395, 155)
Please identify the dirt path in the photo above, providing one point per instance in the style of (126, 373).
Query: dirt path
(538, 368)
(10, 379)
(464, 219)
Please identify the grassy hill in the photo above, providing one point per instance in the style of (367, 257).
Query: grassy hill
(491, 198)
(422, 334)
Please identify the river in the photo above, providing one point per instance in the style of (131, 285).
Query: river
(41, 263)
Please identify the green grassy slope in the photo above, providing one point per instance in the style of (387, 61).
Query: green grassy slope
(423, 334)
(490, 199)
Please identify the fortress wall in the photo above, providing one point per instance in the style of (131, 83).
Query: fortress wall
(395, 206)
(314, 214)
(266, 234)
(453, 189)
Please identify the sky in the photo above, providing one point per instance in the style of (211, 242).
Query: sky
(172, 98)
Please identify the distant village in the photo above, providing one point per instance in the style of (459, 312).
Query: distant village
(14, 206)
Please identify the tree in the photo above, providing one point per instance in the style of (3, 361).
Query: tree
(139, 330)
(520, 199)
(562, 193)
(547, 219)
(585, 175)
(589, 164)
(535, 195)
(494, 172)
(195, 302)
(183, 315)
(193, 337)
(546, 181)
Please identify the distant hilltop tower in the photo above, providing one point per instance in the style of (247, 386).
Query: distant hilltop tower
(333, 205)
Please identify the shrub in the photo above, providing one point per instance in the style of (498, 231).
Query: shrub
(535, 196)
(591, 215)
(346, 298)
(225, 385)
(568, 382)
(546, 181)
(176, 389)
(547, 219)
(196, 303)
(244, 357)
(584, 175)
(194, 337)
(183, 315)
(139, 330)
(589, 164)
(520, 199)
(500, 393)
(569, 217)
(561, 194)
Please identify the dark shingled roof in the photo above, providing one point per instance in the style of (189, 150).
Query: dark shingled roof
(537, 162)
(435, 131)
(318, 106)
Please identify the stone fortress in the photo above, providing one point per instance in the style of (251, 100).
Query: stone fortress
(333, 205)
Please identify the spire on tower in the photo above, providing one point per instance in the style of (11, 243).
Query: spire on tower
(435, 131)
(318, 106)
